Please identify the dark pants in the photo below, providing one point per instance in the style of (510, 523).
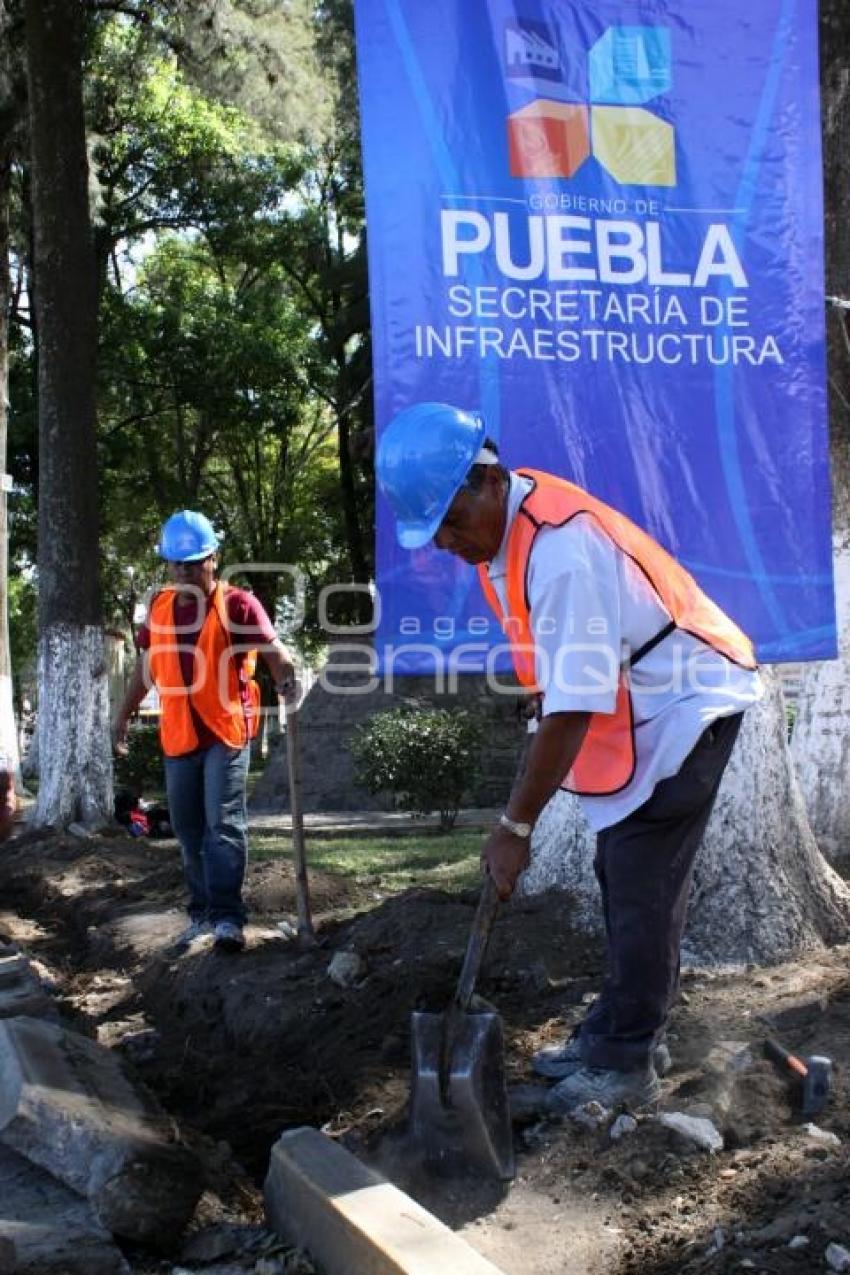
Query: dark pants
(206, 799)
(644, 866)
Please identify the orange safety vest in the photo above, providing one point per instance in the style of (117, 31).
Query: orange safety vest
(606, 762)
(216, 699)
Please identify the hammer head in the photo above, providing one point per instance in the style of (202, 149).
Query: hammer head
(816, 1083)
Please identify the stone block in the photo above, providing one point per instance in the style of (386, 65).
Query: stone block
(548, 139)
(20, 990)
(46, 1229)
(67, 1106)
(349, 1218)
(636, 147)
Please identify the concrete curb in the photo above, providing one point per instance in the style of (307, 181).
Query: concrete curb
(349, 1218)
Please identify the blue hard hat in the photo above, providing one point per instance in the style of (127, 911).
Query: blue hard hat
(187, 537)
(424, 455)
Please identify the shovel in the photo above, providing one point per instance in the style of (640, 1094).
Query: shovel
(459, 1116)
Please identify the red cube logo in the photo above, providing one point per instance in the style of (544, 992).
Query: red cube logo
(548, 139)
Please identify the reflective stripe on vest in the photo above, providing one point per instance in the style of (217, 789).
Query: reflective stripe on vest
(216, 699)
(606, 762)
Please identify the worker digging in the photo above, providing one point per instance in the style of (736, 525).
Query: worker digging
(642, 683)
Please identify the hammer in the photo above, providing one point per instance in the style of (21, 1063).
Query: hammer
(814, 1071)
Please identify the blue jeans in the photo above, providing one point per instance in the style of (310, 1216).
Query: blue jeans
(206, 798)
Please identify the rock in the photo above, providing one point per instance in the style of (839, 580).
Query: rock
(622, 1127)
(777, 1231)
(694, 1128)
(799, 1241)
(837, 1257)
(591, 1115)
(718, 1240)
(45, 1229)
(824, 1136)
(729, 1055)
(346, 969)
(80, 831)
(287, 929)
(67, 1106)
(638, 1169)
(222, 1240)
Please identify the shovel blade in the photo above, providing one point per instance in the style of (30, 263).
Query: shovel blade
(472, 1129)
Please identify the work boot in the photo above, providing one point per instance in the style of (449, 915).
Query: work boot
(609, 1088)
(194, 930)
(229, 936)
(557, 1061)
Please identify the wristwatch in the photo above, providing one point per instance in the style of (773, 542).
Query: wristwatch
(518, 829)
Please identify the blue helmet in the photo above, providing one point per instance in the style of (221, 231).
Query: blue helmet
(424, 455)
(187, 537)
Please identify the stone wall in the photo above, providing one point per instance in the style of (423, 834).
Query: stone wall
(328, 719)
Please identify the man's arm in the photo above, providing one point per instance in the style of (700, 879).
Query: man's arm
(137, 688)
(552, 751)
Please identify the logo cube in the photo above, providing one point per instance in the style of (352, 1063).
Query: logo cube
(635, 146)
(548, 139)
(630, 65)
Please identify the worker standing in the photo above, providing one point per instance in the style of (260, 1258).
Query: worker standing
(198, 646)
(643, 683)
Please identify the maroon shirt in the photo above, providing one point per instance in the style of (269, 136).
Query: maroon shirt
(250, 628)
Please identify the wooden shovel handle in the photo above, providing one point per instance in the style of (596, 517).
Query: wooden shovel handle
(488, 906)
(302, 889)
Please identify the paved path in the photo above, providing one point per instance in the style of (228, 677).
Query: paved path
(341, 823)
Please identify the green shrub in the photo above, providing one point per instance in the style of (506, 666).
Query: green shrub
(141, 770)
(426, 757)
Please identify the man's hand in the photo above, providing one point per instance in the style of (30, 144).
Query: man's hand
(119, 737)
(505, 856)
(287, 685)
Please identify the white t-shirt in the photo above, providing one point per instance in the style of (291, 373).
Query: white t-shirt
(591, 608)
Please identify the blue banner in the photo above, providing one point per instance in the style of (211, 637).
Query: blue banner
(599, 222)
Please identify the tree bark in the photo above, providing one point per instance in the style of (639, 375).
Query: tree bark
(8, 728)
(74, 753)
(821, 740)
(762, 891)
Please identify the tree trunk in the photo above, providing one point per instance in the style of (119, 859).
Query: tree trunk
(73, 722)
(762, 890)
(821, 741)
(8, 727)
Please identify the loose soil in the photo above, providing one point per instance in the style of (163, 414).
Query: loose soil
(239, 1048)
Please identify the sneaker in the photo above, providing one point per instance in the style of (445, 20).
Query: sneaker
(229, 936)
(557, 1061)
(609, 1088)
(194, 930)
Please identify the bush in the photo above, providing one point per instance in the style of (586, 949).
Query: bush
(142, 769)
(426, 757)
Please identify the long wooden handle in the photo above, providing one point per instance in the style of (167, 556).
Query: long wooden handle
(302, 889)
(488, 906)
